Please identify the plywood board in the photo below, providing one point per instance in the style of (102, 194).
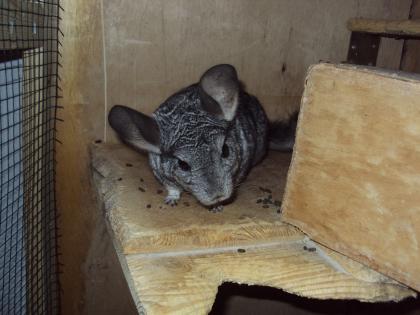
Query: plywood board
(353, 183)
(90, 271)
(188, 283)
(142, 222)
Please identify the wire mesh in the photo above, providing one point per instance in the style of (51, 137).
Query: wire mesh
(29, 52)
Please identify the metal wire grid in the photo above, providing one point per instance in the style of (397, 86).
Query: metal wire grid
(29, 54)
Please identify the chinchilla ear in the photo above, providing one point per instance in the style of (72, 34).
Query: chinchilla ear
(135, 128)
(219, 91)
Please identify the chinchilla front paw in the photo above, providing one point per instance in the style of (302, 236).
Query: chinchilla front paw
(174, 194)
(171, 200)
(216, 209)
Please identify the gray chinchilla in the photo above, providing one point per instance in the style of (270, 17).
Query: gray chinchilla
(204, 139)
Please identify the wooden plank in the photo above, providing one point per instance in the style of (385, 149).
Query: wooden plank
(353, 182)
(90, 272)
(187, 283)
(410, 60)
(385, 27)
(144, 223)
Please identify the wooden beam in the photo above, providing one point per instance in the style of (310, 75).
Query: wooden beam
(355, 172)
(399, 28)
(410, 57)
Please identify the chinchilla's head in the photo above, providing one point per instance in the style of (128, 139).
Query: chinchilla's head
(190, 136)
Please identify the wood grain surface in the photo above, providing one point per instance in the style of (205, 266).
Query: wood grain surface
(353, 183)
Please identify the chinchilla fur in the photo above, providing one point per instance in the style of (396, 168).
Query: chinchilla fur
(204, 139)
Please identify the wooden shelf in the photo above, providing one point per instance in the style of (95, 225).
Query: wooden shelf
(385, 27)
(174, 259)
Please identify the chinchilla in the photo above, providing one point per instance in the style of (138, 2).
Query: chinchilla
(203, 139)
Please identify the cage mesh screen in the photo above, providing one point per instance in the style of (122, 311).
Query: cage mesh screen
(29, 50)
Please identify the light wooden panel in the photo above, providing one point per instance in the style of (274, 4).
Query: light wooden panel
(90, 272)
(187, 284)
(353, 183)
(154, 48)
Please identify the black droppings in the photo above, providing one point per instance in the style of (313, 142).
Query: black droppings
(278, 211)
(141, 179)
(309, 249)
(148, 206)
(98, 141)
(120, 179)
(142, 189)
(266, 206)
(259, 200)
(216, 209)
(159, 191)
(265, 190)
(283, 68)
(128, 164)
(241, 250)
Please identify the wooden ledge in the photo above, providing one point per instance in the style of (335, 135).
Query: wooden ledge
(385, 27)
(143, 223)
(174, 259)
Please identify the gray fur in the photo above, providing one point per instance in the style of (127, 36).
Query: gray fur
(194, 125)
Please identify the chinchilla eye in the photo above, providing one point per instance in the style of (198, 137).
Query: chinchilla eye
(184, 166)
(225, 151)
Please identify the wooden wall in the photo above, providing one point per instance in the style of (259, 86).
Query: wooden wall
(137, 52)
(92, 281)
(154, 48)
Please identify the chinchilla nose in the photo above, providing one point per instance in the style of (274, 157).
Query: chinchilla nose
(222, 196)
(219, 197)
